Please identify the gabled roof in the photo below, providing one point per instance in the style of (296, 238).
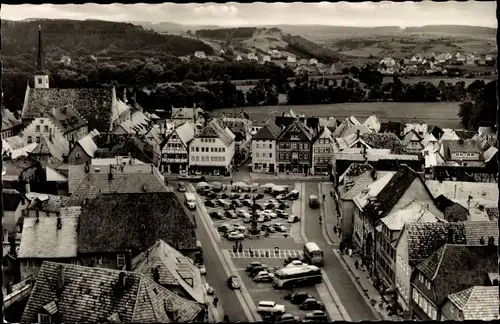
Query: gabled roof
(372, 123)
(355, 170)
(67, 119)
(215, 130)
(362, 183)
(49, 204)
(330, 123)
(94, 105)
(429, 138)
(9, 120)
(138, 123)
(87, 143)
(384, 141)
(174, 269)
(325, 133)
(43, 240)
(477, 303)
(49, 147)
(414, 212)
(455, 267)
(186, 113)
(94, 295)
(301, 127)
(373, 189)
(133, 179)
(411, 136)
(485, 193)
(15, 142)
(117, 222)
(185, 132)
(490, 153)
(270, 131)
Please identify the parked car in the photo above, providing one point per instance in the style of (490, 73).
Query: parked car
(224, 195)
(287, 317)
(247, 220)
(282, 206)
(224, 203)
(202, 268)
(217, 215)
(270, 229)
(247, 202)
(263, 276)
(259, 196)
(299, 297)
(230, 214)
(224, 228)
(261, 219)
(235, 236)
(210, 203)
(239, 227)
(293, 195)
(293, 219)
(212, 195)
(281, 214)
(210, 291)
(181, 187)
(281, 196)
(233, 282)
(316, 316)
(294, 263)
(270, 307)
(291, 259)
(247, 196)
(234, 195)
(253, 265)
(312, 304)
(258, 269)
(237, 203)
(279, 227)
(270, 214)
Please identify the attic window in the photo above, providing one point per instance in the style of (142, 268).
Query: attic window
(44, 318)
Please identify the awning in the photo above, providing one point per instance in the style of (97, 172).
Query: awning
(53, 175)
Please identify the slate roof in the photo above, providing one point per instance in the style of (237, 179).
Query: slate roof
(301, 126)
(215, 130)
(481, 192)
(411, 136)
(270, 131)
(477, 303)
(94, 295)
(117, 222)
(15, 167)
(11, 199)
(94, 105)
(87, 143)
(362, 183)
(414, 212)
(185, 132)
(133, 179)
(468, 146)
(455, 267)
(174, 269)
(52, 205)
(67, 119)
(51, 148)
(355, 170)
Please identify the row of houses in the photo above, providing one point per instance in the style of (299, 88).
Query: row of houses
(424, 243)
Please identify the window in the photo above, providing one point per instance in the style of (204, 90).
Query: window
(270, 155)
(197, 158)
(98, 260)
(294, 146)
(43, 318)
(257, 145)
(37, 128)
(31, 263)
(306, 146)
(197, 149)
(38, 139)
(434, 313)
(271, 146)
(78, 155)
(45, 128)
(39, 80)
(223, 149)
(306, 156)
(257, 154)
(192, 149)
(428, 284)
(30, 139)
(120, 260)
(415, 296)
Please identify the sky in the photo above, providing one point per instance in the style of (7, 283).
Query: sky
(363, 14)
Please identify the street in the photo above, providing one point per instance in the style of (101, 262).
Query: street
(351, 299)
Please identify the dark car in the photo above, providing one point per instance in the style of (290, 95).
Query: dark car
(181, 187)
(281, 214)
(217, 215)
(270, 206)
(287, 317)
(258, 207)
(253, 272)
(247, 203)
(224, 228)
(230, 214)
(270, 229)
(312, 304)
(282, 206)
(299, 297)
(237, 203)
(224, 195)
(210, 203)
(252, 265)
(247, 196)
(234, 196)
(211, 195)
(259, 196)
(316, 316)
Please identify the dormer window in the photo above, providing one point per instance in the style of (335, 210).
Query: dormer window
(44, 318)
(39, 80)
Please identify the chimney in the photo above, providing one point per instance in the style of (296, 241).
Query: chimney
(59, 223)
(128, 260)
(60, 279)
(121, 281)
(152, 168)
(87, 167)
(125, 95)
(110, 174)
(357, 133)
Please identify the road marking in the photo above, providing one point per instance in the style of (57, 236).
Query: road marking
(261, 254)
(340, 307)
(226, 266)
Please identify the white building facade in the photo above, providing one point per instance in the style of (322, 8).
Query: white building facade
(264, 149)
(322, 154)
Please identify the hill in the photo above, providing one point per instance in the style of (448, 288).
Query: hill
(91, 37)
(454, 29)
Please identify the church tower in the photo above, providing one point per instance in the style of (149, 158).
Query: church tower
(41, 78)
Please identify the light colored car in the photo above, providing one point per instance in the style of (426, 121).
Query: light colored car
(263, 276)
(202, 268)
(281, 196)
(270, 307)
(239, 227)
(294, 263)
(293, 219)
(240, 212)
(261, 219)
(235, 236)
(270, 214)
(208, 289)
(234, 282)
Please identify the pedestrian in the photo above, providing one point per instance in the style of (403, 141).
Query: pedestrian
(231, 183)
(340, 231)
(226, 318)
(216, 301)
(335, 229)
(356, 264)
(350, 251)
(324, 196)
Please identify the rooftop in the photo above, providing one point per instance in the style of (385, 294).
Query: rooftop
(9, 120)
(136, 178)
(388, 141)
(414, 212)
(117, 222)
(47, 203)
(87, 143)
(362, 183)
(477, 303)
(67, 118)
(215, 130)
(174, 269)
(11, 199)
(270, 131)
(98, 295)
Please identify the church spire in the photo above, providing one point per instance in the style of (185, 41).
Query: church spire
(39, 62)
(41, 78)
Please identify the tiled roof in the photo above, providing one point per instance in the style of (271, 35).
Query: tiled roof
(11, 199)
(87, 143)
(133, 179)
(466, 146)
(50, 204)
(429, 138)
(42, 239)
(138, 123)
(22, 151)
(94, 105)
(492, 212)
(15, 142)
(372, 123)
(455, 267)
(95, 295)
(50, 147)
(16, 166)
(481, 192)
(185, 132)
(330, 123)
(122, 145)
(300, 126)
(215, 130)
(117, 222)
(411, 136)
(414, 212)
(174, 269)
(391, 192)
(490, 153)
(384, 141)
(67, 119)
(465, 134)
(362, 182)
(448, 135)
(270, 131)
(185, 113)
(355, 170)
(373, 189)
(474, 231)
(391, 127)
(354, 130)
(477, 303)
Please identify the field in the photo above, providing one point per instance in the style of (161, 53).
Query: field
(443, 114)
